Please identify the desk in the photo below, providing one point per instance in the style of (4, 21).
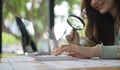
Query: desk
(29, 63)
(106, 68)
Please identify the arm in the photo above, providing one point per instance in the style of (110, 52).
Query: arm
(87, 49)
(79, 51)
(110, 51)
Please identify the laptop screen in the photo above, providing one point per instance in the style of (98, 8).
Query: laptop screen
(46, 43)
(28, 44)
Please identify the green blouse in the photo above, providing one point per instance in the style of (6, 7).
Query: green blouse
(109, 52)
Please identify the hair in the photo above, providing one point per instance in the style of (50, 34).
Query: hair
(100, 27)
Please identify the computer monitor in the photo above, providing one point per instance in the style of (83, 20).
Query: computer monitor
(27, 41)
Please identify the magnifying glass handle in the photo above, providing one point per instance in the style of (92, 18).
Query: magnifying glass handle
(75, 37)
(73, 33)
(72, 37)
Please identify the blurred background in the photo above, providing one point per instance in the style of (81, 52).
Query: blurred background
(37, 12)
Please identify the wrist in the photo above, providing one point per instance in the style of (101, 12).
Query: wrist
(96, 51)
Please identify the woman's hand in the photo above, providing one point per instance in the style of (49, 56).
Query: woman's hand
(77, 51)
(73, 37)
(77, 55)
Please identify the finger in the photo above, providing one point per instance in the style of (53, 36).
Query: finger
(76, 55)
(82, 57)
(69, 39)
(71, 32)
(76, 35)
(71, 54)
(76, 38)
(60, 50)
(53, 51)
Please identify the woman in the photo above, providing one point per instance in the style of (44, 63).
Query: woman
(103, 31)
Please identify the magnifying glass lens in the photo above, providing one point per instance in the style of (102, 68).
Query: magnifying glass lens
(75, 22)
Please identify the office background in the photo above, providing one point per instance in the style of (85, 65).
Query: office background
(44, 14)
(0, 27)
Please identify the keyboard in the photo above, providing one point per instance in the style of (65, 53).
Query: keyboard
(36, 57)
(17, 59)
(52, 57)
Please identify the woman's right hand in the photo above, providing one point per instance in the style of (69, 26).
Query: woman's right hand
(73, 37)
(74, 51)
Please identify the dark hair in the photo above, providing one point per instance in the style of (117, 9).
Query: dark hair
(100, 27)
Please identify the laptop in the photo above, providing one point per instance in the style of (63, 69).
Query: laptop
(26, 39)
(28, 42)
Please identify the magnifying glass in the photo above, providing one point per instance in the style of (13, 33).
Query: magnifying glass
(75, 22)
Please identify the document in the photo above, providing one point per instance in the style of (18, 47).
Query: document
(83, 63)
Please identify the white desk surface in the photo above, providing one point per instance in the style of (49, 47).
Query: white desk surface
(81, 64)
